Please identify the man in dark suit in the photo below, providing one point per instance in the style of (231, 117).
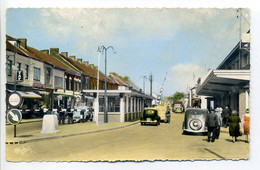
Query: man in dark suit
(212, 124)
(225, 115)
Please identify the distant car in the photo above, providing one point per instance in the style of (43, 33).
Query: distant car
(82, 114)
(178, 109)
(194, 121)
(150, 116)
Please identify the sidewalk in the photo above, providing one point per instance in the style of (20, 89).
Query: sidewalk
(30, 131)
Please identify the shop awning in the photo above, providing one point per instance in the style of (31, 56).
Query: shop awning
(27, 94)
(63, 94)
(223, 81)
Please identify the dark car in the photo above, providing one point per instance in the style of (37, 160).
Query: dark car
(150, 116)
(194, 121)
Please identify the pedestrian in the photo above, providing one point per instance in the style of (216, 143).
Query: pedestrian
(61, 115)
(218, 113)
(70, 115)
(212, 123)
(225, 115)
(234, 128)
(168, 115)
(246, 124)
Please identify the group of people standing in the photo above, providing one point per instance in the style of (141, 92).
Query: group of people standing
(223, 118)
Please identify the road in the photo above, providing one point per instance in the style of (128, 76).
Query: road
(163, 142)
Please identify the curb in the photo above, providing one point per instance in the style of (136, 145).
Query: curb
(7, 124)
(22, 141)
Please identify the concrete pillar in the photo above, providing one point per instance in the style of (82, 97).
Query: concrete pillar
(122, 110)
(127, 104)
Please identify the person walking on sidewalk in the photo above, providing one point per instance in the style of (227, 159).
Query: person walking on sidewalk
(225, 115)
(212, 123)
(61, 115)
(246, 124)
(168, 115)
(234, 128)
(218, 113)
(70, 115)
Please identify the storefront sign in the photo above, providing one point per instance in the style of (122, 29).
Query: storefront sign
(39, 86)
(14, 116)
(14, 99)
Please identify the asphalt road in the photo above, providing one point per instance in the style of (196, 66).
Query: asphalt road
(135, 143)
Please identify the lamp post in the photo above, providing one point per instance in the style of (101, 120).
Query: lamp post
(103, 48)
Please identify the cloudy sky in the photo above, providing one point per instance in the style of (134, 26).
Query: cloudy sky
(184, 43)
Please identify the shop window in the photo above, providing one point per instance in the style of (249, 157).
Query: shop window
(9, 67)
(58, 81)
(26, 71)
(37, 74)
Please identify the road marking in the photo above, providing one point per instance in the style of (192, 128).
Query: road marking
(214, 153)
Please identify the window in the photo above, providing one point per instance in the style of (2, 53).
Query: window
(37, 74)
(70, 84)
(19, 66)
(65, 82)
(75, 84)
(26, 71)
(48, 75)
(58, 81)
(9, 67)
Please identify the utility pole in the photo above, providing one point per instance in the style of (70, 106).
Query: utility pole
(151, 84)
(239, 56)
(144, 79)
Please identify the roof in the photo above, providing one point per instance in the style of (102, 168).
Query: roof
(84, 68)
(49, 59)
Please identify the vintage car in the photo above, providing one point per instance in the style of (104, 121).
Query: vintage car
(82, 114)
(177, 107)
(151, 117)
(194, 121)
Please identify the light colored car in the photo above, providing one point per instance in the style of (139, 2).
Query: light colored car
(82, 114)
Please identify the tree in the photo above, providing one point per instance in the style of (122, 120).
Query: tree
(178, 95)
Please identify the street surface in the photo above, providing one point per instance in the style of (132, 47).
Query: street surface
(137, 143)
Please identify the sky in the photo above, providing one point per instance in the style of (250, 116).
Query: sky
(180, 44)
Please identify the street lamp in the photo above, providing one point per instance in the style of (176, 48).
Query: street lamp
(102, 49)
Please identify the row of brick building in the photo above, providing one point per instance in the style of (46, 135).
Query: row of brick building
(52, 78)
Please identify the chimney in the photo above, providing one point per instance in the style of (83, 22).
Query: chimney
(54, 51)
(91, 65)
(86, 63)
(96, 67)
(79, 60)
(23, 42)
(45, 51)
(65, 54)
(73, 57)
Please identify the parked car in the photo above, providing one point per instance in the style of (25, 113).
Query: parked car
(194, 121)
(82, 114)
(150, 116)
